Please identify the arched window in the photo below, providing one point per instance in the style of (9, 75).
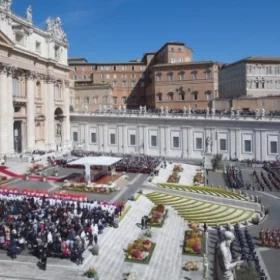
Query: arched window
(170, 96)
(159, 96)
(195, 95)
(194, 75)
(208, 94)
(181, 93)
(181, 76)
(208, 75)
(158, 76)
(170, 76)
(257, 83)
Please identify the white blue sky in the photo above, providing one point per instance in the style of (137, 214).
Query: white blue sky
(121, 30)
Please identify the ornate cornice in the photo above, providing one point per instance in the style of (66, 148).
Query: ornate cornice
(31, 75)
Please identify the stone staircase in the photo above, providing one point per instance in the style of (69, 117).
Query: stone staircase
(167, 260)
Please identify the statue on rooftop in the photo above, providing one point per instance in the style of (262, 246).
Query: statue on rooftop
(54, 26)
(29, 13)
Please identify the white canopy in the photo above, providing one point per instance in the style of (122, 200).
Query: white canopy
(96, 161)
(87, 162)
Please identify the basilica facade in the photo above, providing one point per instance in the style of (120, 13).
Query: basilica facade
(34, 84)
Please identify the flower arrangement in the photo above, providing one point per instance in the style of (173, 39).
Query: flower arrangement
(174, 177)
(82, 187)
(91, 273)
(157, 215)
(36, 168)
(191, 266)
(178, 168)
(3, 178)
(198, 178)
(193, 242)
(139, 251)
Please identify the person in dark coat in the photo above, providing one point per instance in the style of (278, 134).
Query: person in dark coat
(95, 238)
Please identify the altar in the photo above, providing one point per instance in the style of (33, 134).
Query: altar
(96, 167)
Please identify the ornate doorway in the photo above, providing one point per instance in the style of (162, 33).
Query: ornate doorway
(58, 115)
(17, 137)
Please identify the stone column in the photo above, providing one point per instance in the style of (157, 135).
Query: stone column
(49, 113)
(162, 141)
(66, 128)
(190, 143)
(30, 111)
(185, 140)
(6, 111)
(10, 111)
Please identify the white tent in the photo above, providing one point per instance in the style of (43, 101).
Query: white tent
(87, 162)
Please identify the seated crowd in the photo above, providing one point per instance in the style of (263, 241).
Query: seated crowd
(138, 164)
(270, 238)
(57, 228)
(234, 177)
(129, 163)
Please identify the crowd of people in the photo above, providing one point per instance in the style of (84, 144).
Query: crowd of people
(187, 110)
(234, 177)
(270, 238)
(138, 164)
(51, 227)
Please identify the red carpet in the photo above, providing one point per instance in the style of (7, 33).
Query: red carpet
(12, 174)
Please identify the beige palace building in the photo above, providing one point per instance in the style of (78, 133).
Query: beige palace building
(166, 78)
(34, 84)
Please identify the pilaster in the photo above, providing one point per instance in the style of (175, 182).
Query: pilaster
(30, 110)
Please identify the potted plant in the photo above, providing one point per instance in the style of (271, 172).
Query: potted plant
(91, 273)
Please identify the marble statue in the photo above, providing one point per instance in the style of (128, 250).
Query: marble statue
(189, 110)
(29, 13)
(232, 112)
(263, 112)
(145, 109)
(54, 26)
(6, 4)
(237, 113)
(224, 264)
(161, 110)
(208, 144)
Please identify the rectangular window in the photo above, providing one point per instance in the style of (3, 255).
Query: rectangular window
(112, 138)
(154, 141)
(75, 136)
(93, 137)
(247, 146)
(176, 142)
(198, 143)
(194, 75)
(273, 147)
(38, 47)
(223, 144)
(132, 140)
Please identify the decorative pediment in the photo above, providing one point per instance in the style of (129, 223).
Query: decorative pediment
(22, 28)
(5, 41)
